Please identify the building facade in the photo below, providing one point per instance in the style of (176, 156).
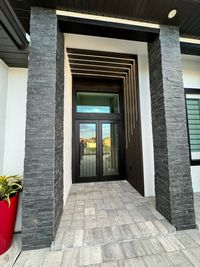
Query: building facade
(95, 97)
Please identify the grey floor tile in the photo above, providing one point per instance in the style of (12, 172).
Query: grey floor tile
(143, 229)
(110, 224)
(97, 236)
(135, 230)
(147, 245)
(85, 256)
(107, 234)
(109, 264)
(167, 244)
(78, 238)
(32, 258)
(135, 262)
(138, 249)
(191, 256)
(117, 233)
(159, 260)
(87, 237)
(128, 250)
(179, 259)
(96, 256)
(126, 232)
(152, 228)
(186, 240)
(157, 245)
(112, 252)
(68, 239)
(53, 259)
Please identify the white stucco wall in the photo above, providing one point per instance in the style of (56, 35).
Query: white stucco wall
(67, 129)
(3, 101)
(191, 79)
(15, 126)
(140, 49)
(15, 121)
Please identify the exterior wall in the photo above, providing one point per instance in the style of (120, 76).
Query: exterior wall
(3, 101)
(15, 127)
(140, 49)
(191, 79)
(67, 128)
(15, 121)
(13, 87)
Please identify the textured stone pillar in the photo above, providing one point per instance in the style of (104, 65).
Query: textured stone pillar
(173, 186)
(43, 166)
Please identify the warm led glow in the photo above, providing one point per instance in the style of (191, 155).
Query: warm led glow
(172, 13)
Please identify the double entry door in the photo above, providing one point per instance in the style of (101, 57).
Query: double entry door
(97, 150)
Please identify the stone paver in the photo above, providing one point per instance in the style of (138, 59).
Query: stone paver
(109, 224)
(197, 208)
(113, 207)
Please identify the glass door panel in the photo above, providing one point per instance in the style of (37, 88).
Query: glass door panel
(88, 149)
(110, 149)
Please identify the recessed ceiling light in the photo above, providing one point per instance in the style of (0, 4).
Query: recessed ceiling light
(172, 13)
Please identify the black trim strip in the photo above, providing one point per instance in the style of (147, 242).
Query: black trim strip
(190, 49)
(107, 29)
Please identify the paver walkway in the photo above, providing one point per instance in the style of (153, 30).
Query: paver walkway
(197, 208)
(109, 224)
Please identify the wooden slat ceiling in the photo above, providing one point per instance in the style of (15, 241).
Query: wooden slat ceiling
(9, 53)
(98, 64)
(156, 11)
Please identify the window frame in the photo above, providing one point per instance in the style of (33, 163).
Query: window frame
(191, 91)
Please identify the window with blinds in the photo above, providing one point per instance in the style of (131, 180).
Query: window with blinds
(193, 112)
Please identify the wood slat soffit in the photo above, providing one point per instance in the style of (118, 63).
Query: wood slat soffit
(96, 64)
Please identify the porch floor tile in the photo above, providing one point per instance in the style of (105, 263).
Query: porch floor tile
(107, 212)
(109, 224)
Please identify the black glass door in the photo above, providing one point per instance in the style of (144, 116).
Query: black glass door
(98, 153)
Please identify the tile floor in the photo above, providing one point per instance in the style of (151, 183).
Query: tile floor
(197, 208)
(107, 212)
(8, 258)
(109, 224)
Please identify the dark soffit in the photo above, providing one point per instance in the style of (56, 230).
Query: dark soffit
(153, 11)
(10, 54)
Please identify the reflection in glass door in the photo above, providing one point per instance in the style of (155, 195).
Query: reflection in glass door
(98, 148)
(110, 151)
(87, 150)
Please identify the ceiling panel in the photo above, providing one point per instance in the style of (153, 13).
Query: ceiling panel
(155, 11)
(10, 54)
(188, 11)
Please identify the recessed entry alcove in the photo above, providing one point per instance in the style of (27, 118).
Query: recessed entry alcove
(106, 119)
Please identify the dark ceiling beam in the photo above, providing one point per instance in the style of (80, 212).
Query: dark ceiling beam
(12, 25)
(107, 29)
(190, 49)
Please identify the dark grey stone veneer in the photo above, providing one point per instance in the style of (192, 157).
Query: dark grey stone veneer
(173, 186)
(43, 166)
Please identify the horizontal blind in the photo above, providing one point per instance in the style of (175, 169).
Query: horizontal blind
(193, 111)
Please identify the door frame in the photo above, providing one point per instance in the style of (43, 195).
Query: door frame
(105, 86)
(99, 155)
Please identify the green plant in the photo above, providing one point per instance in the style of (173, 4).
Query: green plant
(9, 186)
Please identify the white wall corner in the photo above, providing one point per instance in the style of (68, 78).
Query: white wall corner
(146, 126)
(67, 177)
(3, 104)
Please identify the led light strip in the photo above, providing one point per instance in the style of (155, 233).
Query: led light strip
(108, 19)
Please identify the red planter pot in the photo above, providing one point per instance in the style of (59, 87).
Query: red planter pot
(7, 222)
